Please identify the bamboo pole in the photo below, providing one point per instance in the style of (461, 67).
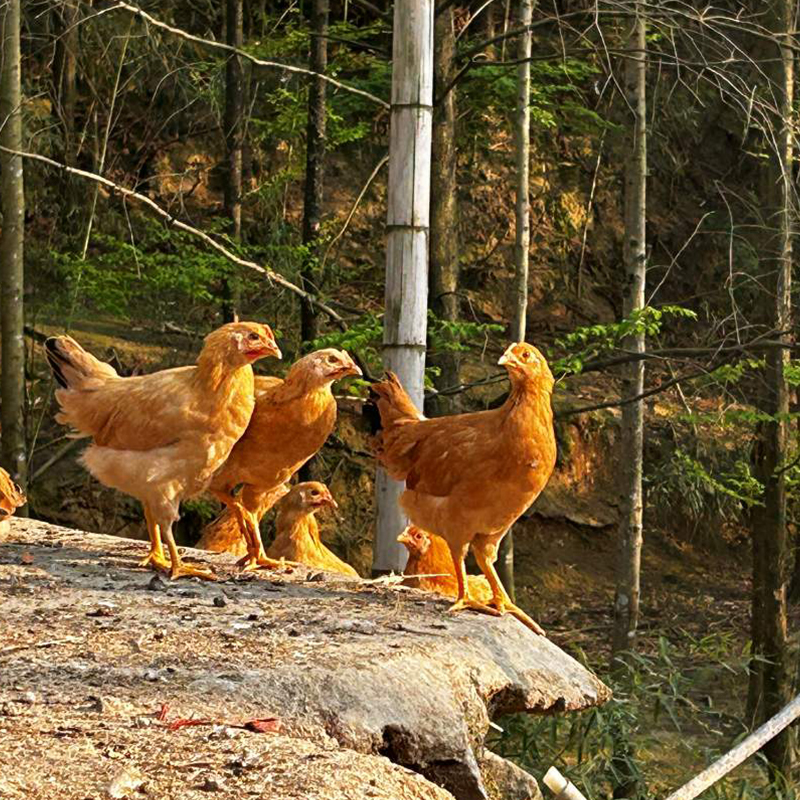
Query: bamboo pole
(564, 790)
(755, 741)
(405, 318)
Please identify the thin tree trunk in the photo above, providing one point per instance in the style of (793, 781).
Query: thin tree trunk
(626, 600)
(315, 165)
(12, 204)
(407, 242)
(770, 537)
(444, 266)
(505, 556)
(626, 603)
(64, 74)
(234, 129)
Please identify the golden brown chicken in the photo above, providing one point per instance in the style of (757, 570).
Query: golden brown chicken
(470, 476)
(161, 437)
(291, 421)
(297, 538)
(429, 557)
(11, 496)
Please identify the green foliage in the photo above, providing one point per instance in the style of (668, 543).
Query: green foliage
(556, 96)
(702, 491)
(156, 274)
(658, 700)
(365, 337)
(590, 341)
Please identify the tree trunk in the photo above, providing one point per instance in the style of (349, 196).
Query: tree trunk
(505, 556)
(234, 129)
(408, 213)
(444, 267)
(770, 537)
(315, 165)
(626, 602)
(12, 204)
(64, 74)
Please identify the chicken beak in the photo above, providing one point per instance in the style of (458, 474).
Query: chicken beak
(274, 350)
(332, 503)
(404, 538)
(508, 358)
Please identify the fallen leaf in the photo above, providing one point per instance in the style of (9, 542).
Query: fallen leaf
(267, 725)
(177, 724)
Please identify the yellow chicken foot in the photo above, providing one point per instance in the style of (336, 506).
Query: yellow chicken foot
(504, 606)
(177, 567)
(468, 602)
(464, 600)
(182, 570)
(155, 558)
(251, 563)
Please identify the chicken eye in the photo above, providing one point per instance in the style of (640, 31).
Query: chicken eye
(526, 355)
(332, 360)
(314, 493)
(253, 337)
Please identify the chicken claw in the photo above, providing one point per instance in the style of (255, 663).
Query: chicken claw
(251, 564)
(182, 570)
(467, 602)
(156, 560)
(506, 607)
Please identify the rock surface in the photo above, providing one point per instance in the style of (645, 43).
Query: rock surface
(364, 679)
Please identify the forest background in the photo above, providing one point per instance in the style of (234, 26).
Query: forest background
(675, 405)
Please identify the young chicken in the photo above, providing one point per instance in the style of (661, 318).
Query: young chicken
(291, 421)
(429, 555)
(470, 476)
(11, 496)
(161, 437)
(298, 533)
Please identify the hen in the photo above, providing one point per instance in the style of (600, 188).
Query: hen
(470, 476)
(161, 437)
(11, 496)
(429, 557)
(291, 421)
(297, 538)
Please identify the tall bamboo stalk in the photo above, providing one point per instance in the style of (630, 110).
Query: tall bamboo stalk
(405, 318)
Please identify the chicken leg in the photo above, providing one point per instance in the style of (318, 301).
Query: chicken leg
(485, 550)
(464, 600)
(256, 558)
(177, 569)
(155, 558)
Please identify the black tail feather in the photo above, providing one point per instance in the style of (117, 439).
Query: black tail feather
(54, 359)
(371, 414)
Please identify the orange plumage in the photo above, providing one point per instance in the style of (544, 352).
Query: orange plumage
(470, 476)
(429, 557)
(11, 496)
(161, 437)
(298, 537)
(291, 421)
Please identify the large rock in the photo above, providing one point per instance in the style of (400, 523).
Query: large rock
(362, 668)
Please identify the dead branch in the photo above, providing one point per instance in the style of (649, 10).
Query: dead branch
(176, 223)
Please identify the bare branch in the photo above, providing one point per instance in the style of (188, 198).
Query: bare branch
(176, 223)
(261, 62)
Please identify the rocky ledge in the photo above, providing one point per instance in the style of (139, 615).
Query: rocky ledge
(115, 682)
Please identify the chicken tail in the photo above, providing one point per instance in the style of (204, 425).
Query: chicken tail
(73, 367)
(392, 403)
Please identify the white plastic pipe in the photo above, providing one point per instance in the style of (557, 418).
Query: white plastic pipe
(561, 787)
